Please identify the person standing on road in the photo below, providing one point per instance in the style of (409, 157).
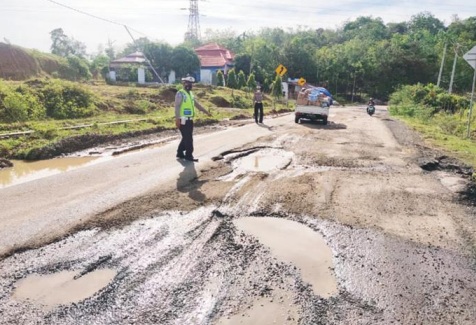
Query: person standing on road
(185, 104)
(258, 105)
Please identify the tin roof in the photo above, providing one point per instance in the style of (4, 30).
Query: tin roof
(136, 57)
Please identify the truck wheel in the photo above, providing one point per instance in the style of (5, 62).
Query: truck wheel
(324, 121)
(296, 119)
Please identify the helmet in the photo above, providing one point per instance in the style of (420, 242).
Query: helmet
(188, 79)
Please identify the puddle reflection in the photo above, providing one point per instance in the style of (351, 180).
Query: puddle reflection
(25, 171)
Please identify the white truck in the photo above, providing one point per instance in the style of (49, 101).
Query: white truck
(313, 105)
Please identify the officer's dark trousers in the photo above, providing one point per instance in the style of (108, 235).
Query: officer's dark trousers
(259, 112)
(185, 147)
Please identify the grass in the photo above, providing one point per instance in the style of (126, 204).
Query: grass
(447, 133)
(144, 108)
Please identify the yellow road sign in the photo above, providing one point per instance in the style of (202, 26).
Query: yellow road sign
(281, 70)
(301, 82)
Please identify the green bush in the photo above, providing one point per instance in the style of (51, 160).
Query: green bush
(19, 105)
(424, 101)
(64, 100)
(79, 68)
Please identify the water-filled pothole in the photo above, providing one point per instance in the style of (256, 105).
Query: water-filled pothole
(265, 160)
(62, 288)
(299, 245)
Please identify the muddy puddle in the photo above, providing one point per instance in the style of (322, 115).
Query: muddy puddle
(266, 161)
(266, 311)
(25, 171)
(63, 288)
(295, 243)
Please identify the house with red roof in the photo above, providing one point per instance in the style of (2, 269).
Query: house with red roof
(213, 57)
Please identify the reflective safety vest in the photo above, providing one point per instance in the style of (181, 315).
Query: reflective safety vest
(187, 108)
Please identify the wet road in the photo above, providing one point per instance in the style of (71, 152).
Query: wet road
(293, 224)
(48, 207)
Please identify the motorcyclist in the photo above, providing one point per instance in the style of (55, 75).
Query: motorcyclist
(371, 106)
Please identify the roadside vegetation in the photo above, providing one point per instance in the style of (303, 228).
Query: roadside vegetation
(37, 117)
(400, 62)
(440, 117)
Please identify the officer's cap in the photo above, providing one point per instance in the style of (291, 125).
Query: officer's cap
(188, 79)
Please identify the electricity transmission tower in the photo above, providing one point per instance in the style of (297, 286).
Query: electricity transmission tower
(193, 32)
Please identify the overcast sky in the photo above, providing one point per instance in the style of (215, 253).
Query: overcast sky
(27, 23)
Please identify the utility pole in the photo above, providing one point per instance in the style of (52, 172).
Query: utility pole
(442, 63)
(193, 31)
(450, 90)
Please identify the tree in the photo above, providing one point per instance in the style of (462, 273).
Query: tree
(184, 61)
(243, 63)
(232, 81)
(366, 28)
(251, 83)
(277, 87)
(100, 66)
(397, 28)
(79, 68)
(137, 46)
(110, 52)
(160, 57)
(298, 58)
(227, 38)
(59, 44)
(64, 46)
(220, 78)
(241, 80)
(425, 21)
(266, 57)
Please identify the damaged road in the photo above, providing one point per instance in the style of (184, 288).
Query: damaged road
(354, 222)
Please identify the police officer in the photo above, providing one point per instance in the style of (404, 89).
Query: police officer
(185, 104)
(258, 105)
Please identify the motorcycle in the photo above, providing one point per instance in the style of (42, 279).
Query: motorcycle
(370, 110)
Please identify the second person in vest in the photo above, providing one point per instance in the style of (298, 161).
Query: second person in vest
(185, 112)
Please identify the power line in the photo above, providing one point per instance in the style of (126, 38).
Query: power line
(116, 23)
(96, 17)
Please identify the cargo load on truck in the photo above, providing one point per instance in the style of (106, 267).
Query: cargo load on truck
(313, 104)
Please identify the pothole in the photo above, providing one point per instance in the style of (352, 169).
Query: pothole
(265, 160)
(63, 288)
(299, 245)
(278, 309)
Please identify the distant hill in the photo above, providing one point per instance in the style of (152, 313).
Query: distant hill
(17, 63)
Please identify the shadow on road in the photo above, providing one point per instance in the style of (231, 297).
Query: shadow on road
(188, 182)
(317, 125)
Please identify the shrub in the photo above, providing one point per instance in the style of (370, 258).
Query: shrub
(64, 100)
(18, 105)
(424, 101)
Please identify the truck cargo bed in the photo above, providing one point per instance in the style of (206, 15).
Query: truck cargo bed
(312, 113)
